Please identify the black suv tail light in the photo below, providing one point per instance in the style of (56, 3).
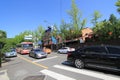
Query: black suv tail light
(69, 54)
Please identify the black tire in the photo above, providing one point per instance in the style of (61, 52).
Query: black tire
(79, 63)
(35, 56)
(29, 55)
(58, 52)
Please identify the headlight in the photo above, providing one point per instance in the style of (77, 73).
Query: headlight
(14, 53)
(7, 54)
(39, 54)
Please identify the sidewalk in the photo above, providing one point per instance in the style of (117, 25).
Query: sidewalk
(3, 75)
(3, 72)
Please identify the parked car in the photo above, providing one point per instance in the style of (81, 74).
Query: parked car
(65, 50)
(37, 53)
(11, 53)
(105, 57)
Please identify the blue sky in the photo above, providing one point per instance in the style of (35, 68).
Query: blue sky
(19, 15)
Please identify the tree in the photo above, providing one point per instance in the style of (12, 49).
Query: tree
(96, 15)
(37, 34)
(108, 29)
(83, 23)
(2, 38)
(19, 38)
(40, 31)
(2, 43)
(64, 30)
(2, 34)
(113, 20)
(75, 16)
(10, 43)
(55, 30)
(114, 26)
(118, 5)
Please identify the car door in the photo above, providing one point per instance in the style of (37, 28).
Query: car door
(31, 53)
(94, 55)
(91, 57)
(113, 57)
(64, 50)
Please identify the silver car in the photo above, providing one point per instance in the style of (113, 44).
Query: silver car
(37, 53)
(11, 53)
(65, 49)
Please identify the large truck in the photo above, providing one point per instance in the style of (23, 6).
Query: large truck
(24, 47)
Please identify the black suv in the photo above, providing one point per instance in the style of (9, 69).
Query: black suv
(105, 57)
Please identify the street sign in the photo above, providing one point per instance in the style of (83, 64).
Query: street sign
(28, 37)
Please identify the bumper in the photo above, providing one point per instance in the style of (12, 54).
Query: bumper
(8, 56)
(64, 52)
(25, 52)
(42, 56)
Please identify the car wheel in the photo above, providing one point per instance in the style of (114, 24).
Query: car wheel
(58, 52)
(79, 63)
(35, 56)
(29, 55)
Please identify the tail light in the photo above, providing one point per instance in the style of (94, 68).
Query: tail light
(69, 54)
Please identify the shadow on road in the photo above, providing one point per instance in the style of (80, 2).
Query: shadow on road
(66, 63)
(6, 60)
(36, 77)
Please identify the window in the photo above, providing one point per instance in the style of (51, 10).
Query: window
(114, 50)
(95, 50)
(79, 50)
(89, 50)
(38, 50)
(64, 48)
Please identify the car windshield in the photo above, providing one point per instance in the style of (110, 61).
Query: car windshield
(64, 48)
(12, 50)
(27, 45)
(38, 50)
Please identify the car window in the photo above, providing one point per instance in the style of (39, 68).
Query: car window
(113, 50)
(64, 48)
(37, 50)
(79, 50)
(12, 50)
(96, 50)
(89, 50)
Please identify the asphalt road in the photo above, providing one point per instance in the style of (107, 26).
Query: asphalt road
(54, 67)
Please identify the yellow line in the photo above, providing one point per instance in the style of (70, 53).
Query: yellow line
(40, 65)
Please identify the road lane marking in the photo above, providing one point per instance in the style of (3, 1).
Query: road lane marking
(3, 75)
(40, 65)
(55, 75)
(88, 73)
(45, 59)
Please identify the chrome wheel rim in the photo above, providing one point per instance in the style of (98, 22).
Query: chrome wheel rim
(78, 63)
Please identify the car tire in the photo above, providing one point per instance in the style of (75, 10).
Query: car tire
(29, 55)
(35, 56)
(79, 63)
(58, 52)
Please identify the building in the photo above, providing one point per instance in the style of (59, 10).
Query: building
(86, 33)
